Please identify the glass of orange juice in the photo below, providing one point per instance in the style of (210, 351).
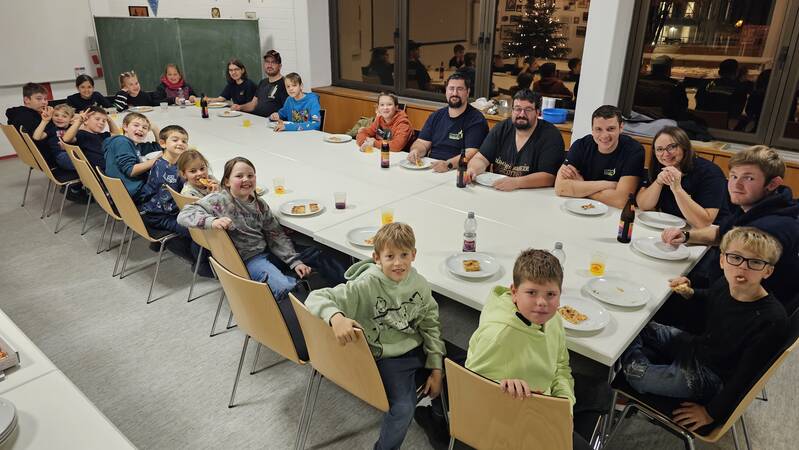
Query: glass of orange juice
(386, 215)
(597, 264)
(279, 183)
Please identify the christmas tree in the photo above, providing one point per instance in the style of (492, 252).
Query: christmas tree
(538, 34)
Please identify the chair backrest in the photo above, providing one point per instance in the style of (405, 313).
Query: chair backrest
(484, 417)
(714, 119)
(321, 120)
(20, 146)
(124, 204)
(352, 367)
(197, 235)
(371, 79)
(89, 179)
(256, 312)
(37, 155)
(791, 342)
(225, 252)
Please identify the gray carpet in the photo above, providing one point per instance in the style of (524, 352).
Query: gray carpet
(154, 371)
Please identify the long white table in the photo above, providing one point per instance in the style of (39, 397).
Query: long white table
(508, 222)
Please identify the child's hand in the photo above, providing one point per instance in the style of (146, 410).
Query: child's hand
(682, 286)
(280, 126)
(82, 116)
(691, 413)
(274, 117)
(222, 223)
(61, 144)
(516, 388)
(213, 185)
(344, 328)
(432, 387)
(302, 270)
(47, 113)
(192, 99)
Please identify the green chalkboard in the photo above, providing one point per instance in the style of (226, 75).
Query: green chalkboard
(201, 47)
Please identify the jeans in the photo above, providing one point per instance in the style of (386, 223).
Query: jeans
(655, 363)
(62, 161)
(168, 222)
(263, 271)
(401, 375)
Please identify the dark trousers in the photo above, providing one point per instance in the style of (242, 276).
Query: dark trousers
(401, 375)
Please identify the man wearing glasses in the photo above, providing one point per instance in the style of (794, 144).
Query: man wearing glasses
(527, 150)
(458, 125)
(271, 92)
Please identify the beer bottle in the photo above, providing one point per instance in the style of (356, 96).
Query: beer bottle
(626, 221)
(385, 155)
(204, 106)
(462, 168)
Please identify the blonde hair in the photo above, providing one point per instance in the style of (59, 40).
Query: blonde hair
(188, 157)
(66, 109)
(397, 234)
(762, 156)
(124, 76)
(762, 244)
(538, 266)
(134, 115)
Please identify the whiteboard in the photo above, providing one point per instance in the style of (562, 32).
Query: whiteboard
(43, 40)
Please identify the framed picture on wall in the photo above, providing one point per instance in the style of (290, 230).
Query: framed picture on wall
(576, 20)
(506, 32)
(138, 11)
(510, 5)
(580, 31)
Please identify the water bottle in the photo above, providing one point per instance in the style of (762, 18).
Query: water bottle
(180, 100)
(558, 252)
(470, 233)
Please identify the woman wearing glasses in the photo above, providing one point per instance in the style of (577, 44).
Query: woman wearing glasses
(681, 183)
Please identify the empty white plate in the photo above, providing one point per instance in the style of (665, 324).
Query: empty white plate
(660, 220)
(301, 207)
(656, 248)
(338, 138)
(586, 207)
(598, 317)
(617, 291)
(362, 237)
(140, 109)
(488, 265)
(426, 163)
(229, 113)
(488, 178)
(217, 105)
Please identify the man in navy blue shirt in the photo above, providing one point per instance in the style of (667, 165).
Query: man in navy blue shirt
(604, 165)
(447, 131)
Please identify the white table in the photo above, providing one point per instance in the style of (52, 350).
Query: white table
(33, 363)
(430, 202)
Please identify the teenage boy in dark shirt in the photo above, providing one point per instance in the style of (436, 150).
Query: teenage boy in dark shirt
(604, 165)
(527, 150)
(271, 93)
(27, 118)
(88, 131)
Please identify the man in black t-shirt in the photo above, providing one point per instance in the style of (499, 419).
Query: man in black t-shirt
(604, 165)
(529, 151)
(271, 92)
(417, 72)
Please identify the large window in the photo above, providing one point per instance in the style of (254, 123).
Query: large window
(412, 46)
(718, 63)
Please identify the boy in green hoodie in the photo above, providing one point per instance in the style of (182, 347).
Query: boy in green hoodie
(393, 305)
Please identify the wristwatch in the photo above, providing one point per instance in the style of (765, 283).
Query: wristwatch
(450, 166)
(686, 235)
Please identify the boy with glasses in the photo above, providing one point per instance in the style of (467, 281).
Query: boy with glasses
(527, 150)
(745, 327)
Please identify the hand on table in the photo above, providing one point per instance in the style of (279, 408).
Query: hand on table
(274, 117)
(235, 107)
(280, 126)
(440, 166)
(672, 236)
(469, 176)
(507, 184)
(670, 176)
(569, 172)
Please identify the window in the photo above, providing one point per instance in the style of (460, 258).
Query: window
(719, 63)
(364, 40)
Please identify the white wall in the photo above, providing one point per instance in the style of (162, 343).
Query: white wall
(298, 29)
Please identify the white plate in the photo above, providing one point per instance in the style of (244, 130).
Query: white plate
(8, 418)
(660, 220)
(656, 248)
(617, 291)
(426, 164)
(488, 178)
(228, 113)
(140, 109)
(153, 155)
(598, 317)
(488, 265)
(338, 138)
(285, 208)
(576, 205)
(213, 105)
(260, 190)
(358, 236)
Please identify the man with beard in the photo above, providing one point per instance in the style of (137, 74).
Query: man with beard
(271, 92)
(528, 150)
(458, 125)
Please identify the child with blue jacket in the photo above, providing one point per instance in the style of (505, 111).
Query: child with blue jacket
(301, 110)
(129, 158)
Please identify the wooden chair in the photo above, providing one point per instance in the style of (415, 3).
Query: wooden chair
(484, 417)
(75, 153)
(90, 180)
(258, 316)
(57, 177)
(225, 253)
(23, 153)
(130, 215)
(352, 367)
(659, 408)
(197, 235)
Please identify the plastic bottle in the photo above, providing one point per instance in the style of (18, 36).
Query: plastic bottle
(559, 253)
(470, 233)
(180, 100)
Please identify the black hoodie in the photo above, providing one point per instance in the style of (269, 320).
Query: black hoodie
(27, 120)
(778, 215)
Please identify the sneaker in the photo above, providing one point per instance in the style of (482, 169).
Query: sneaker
(205, 270)
(77, 195)
(436, 430)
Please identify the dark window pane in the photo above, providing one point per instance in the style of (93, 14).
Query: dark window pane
(792, 124)
(365, 41)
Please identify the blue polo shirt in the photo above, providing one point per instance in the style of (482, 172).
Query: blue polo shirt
(449, 135)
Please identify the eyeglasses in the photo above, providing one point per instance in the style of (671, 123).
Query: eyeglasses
(668, 149)
(751, 263)
(526, 111)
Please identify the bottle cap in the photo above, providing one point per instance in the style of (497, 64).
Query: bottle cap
(559, 245)
(471, 215)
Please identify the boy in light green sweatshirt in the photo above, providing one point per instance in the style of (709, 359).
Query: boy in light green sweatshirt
(393, 305)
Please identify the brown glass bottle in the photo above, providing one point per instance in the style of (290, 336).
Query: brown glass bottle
(626, 220)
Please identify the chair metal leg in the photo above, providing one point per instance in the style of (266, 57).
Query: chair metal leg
(230, 323)
(111, 236)
(127, 253)
(216, 316)
(316, 379)
(61, 209)
(86, 215)
(763, 395)
(194, 275)
(607, 421)
(121, 245)
(238, 372)
(304, 410)
(52, 200)
(451, 443)
(102, 236)
(157, 266)
(746, 433)
(734, 432)
(255, 361)
(27, 183)
(618, 424)
(46, 198)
